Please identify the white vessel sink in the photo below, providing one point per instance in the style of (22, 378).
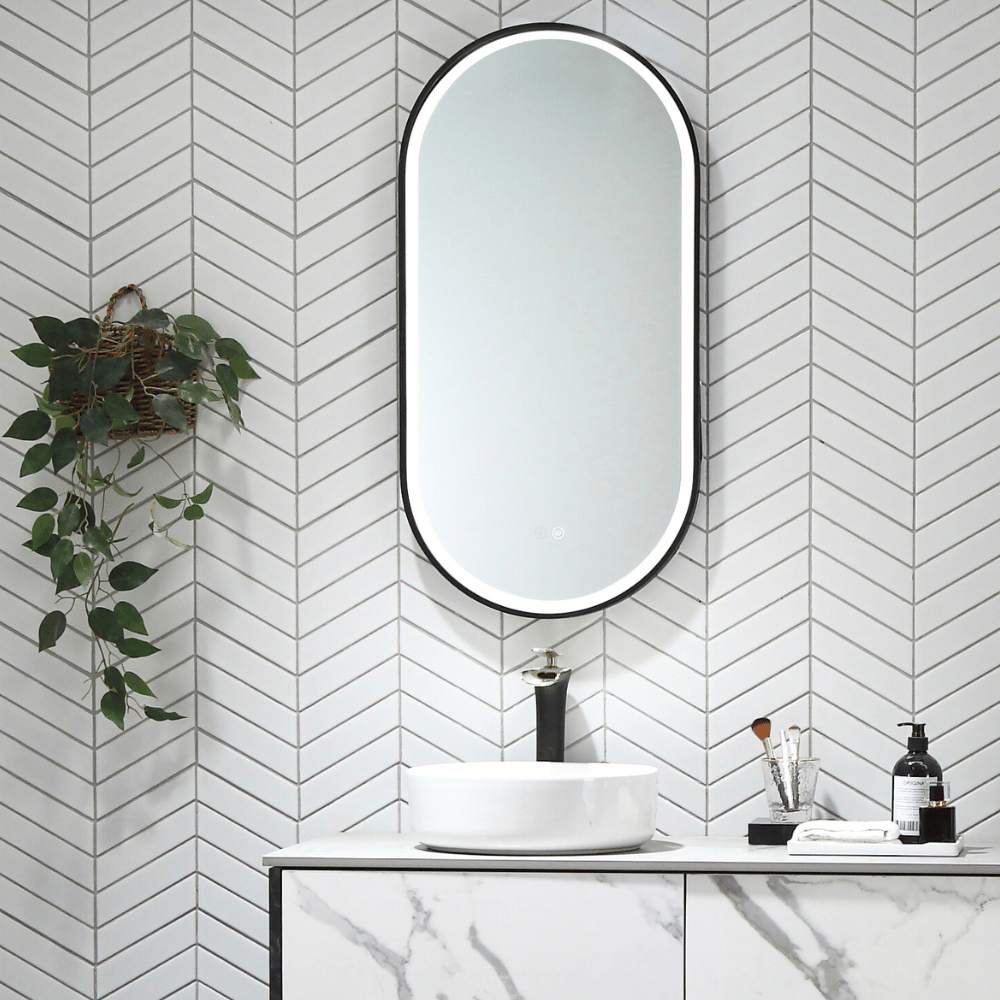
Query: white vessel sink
(532, 807)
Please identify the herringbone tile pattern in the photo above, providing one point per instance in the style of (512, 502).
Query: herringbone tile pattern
(843, 568)
(140, 119)
(348, 599)
(957, 266)
(46, 774)
(244, 274)
(654, 642)
(862, 411)
(758, 391)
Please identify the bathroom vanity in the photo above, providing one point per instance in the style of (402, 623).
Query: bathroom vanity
(358, 917)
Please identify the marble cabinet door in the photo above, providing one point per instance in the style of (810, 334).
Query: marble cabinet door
(434, 935)
(842, 937)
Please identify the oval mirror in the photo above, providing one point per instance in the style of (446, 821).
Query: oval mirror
(548, 223)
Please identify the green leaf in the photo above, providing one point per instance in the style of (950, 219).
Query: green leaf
(70, 518)
(108, 372)
(83, 568)
(65, 446)
(138, 685)
(40, 498)
(188, 344)
(93, 539)
(83, 331)
(67, 579)
(51, 331)
(94, 426)
(113, 708)
(35, 458)
(86, 371)
(66, 379)
(35, 355)
(29, 426)
(137, 458)
(97, 478)
(169, 502)
(122, 492)
(196, 392)
(175, 366)
(52, 409)
(228, 382)
(115, 681)
(41, 530)
(127, 615)
(50, 629)
(201, 328)
(88, 518)
(137, 647)
(193, 512)
(64, 421)
(228, 348)
(205, 495)
(235, 415)
(129, 575)
(61, 558)
(45, 549)
(159, 715)
(105, 625)
(170, 411)
(153, 319)
(242, 368)
(120, 410)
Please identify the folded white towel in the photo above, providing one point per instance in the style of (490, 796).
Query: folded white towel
(847, 832)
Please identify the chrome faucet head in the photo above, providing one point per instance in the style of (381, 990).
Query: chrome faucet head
(547, 675)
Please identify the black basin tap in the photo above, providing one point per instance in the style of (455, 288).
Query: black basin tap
(550, 683)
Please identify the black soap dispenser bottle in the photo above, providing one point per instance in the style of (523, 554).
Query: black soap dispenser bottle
(912, 777)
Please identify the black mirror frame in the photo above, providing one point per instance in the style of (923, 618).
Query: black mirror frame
(401, 320)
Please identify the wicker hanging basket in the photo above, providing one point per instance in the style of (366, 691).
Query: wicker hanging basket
(139, 383)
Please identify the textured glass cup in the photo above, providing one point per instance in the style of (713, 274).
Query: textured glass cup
(790, 793)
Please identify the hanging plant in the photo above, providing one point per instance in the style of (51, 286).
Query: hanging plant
(113, 390)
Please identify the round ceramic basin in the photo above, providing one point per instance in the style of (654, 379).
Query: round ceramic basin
(532, 807)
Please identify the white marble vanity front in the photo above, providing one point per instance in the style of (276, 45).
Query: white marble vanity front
(426, 935)
(363, 917)
(842, 937)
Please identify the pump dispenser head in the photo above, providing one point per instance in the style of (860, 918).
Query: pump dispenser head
(917, 740)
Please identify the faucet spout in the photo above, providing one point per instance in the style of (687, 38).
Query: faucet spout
(550, 683)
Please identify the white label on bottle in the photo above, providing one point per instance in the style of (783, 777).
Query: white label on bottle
(909, 796)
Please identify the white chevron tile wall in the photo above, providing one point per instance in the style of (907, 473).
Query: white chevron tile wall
(862, 411)
(956, 268)
(843, 567)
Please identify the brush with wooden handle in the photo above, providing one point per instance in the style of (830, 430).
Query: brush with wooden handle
(762, 730)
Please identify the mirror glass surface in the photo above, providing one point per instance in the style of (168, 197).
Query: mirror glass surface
(548, 220)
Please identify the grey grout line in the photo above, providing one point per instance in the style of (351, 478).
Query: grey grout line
(604, 613)
(399, 472)
(192, 166)
(703, 389)
(93, 654)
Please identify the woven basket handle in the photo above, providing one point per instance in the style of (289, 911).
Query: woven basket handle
(121, 293)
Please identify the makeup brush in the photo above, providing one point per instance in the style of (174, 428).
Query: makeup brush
(794, 736)
(786, 770)
(762, 730)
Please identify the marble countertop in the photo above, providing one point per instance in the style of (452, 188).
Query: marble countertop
(673, 854)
